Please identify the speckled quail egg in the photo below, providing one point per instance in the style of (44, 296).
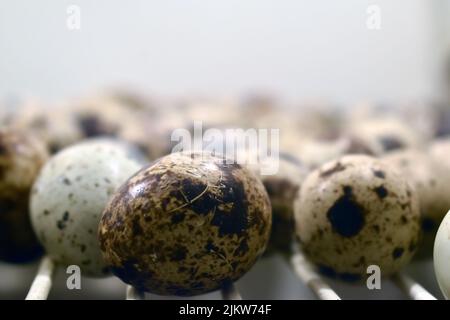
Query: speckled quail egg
(431, 180)
(282, 188)
(442, 256)
(319, 120)
(185, 225)
(70, 195)
(21, 157)
(101, 116)
(107, 116)
(354, 212)
(385, 134)
(314, 153)
(52, 124)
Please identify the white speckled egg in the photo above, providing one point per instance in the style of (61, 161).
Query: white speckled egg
(69, 196)
(442, 256)
(355, 212)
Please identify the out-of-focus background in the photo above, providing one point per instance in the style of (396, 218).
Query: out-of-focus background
(294, 50)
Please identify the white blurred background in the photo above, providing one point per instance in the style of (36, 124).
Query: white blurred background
(294, 49)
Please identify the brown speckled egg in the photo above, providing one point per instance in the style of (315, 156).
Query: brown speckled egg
(21, 157)
(186, 225)
(431, 180)
(354, 212)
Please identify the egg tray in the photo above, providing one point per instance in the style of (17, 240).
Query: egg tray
(304, 270)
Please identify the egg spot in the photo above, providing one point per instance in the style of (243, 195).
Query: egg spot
(397, 253)
(136, 226)
(178, 217)
(346, 216)
(379, 174)
(179, 254)
(231, 218)
(390, 143)
(91, 126)
(61, 224)
(210, 247)
(381, 192)
(197, 194)
(242, 248)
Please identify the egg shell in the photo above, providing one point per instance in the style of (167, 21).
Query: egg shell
(21, 157)
(385, 134)
(354, 212)
(282, 188)
(442, 256)
(69, 196)
(100, 115)
(52, 124)
(186, 225)
(432, 181)
(440, 150)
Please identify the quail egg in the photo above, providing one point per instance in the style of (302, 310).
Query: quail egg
(385, 134)
(282, 187)
(21, 157)
(69, 196)
(104, 116)
(186, 225)
(100, 116)
(430, 178)
(54, 125)
(354, 212)
(442, 256)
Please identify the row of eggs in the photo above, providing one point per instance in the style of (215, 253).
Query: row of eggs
(184, 225)
(179, 231)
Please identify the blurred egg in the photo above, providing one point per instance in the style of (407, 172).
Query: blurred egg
(69, 196)
(21, 157)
